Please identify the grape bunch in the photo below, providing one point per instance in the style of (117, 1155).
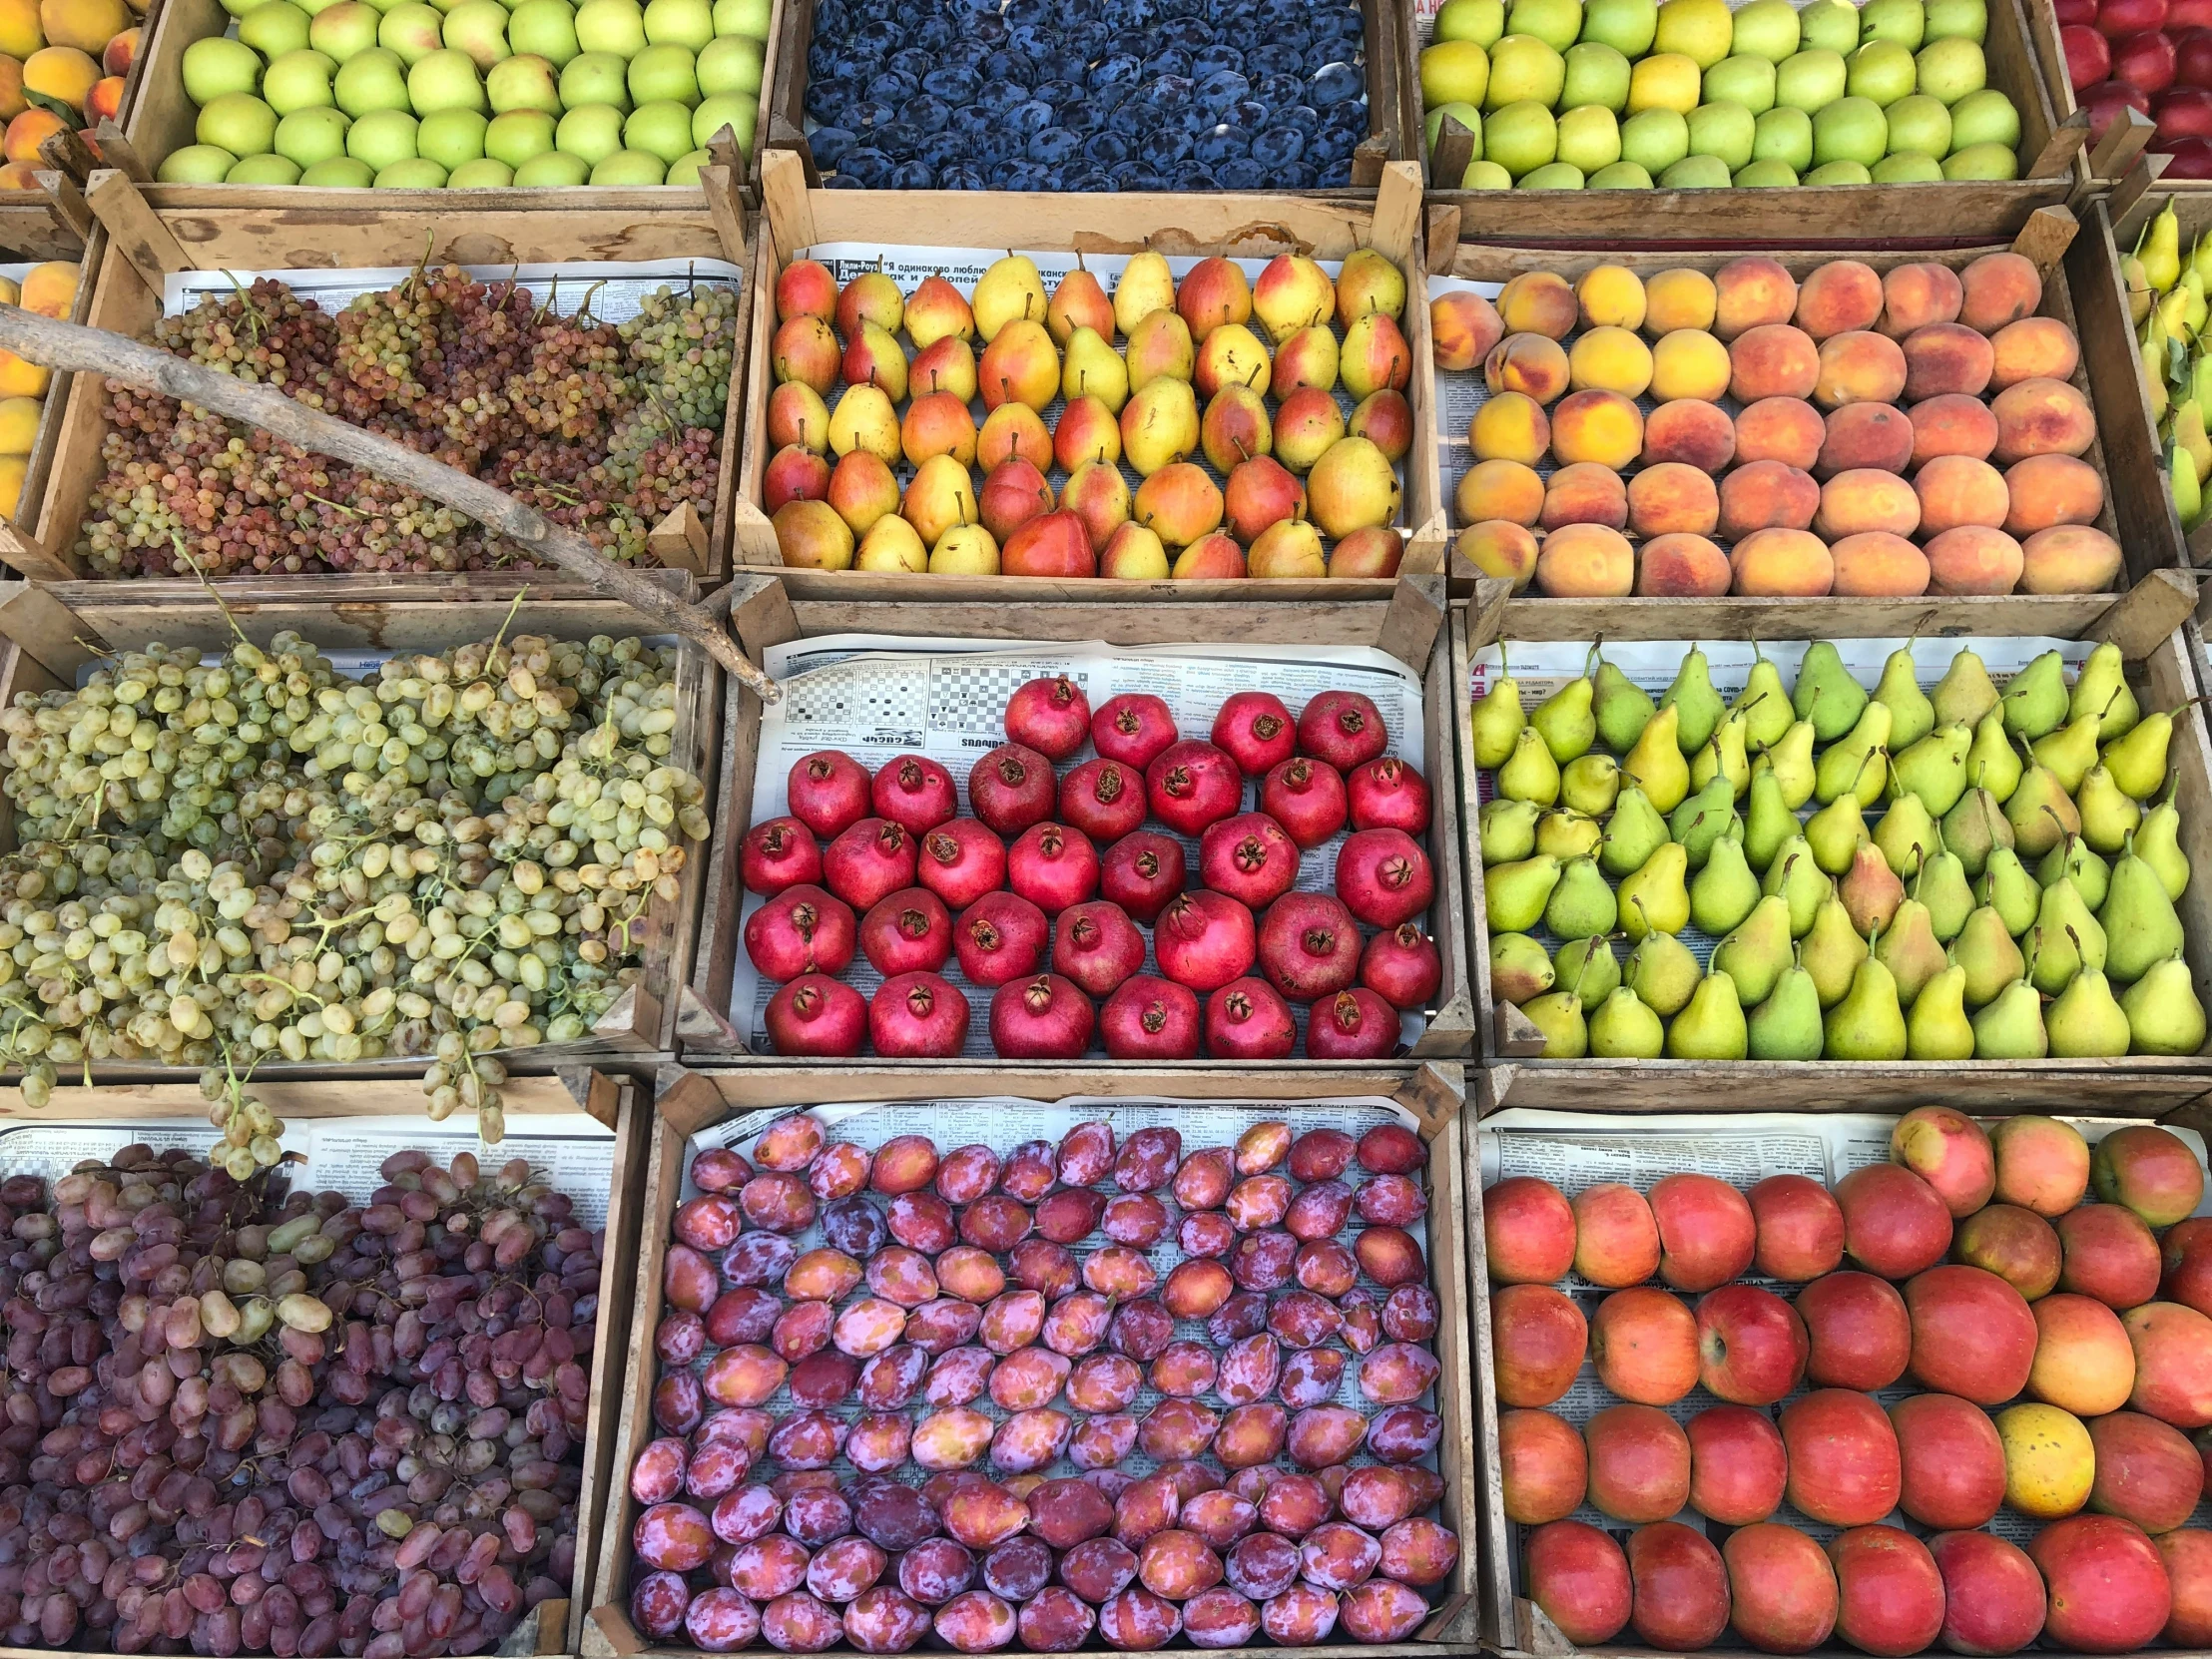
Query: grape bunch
(604, 427)
(256, 857)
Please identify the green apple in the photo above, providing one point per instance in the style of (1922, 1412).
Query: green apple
(1454, 71)
(1920, 124)
(273, 28)
(444, 81)
(1485, 176)
(480, 174)
(381, 138)
(518, 135)
(196, 164)
(415, 172)
(306, 137)
(552, 168)
(1589, 138)
(1620, 175)
(1784, 135)
(1480, 21)
(373, 81)
(616, 26)
(338, 172)
(1554, 176)
(1809, 80)
(1523, 70)
(662, 129)
(1465, 114)
(523, 83)
(1767, 175)
(596, 78)
(298, 81)
(478, 28)
(451, 138)
(310, 7)
(663, 74)
(1666, 81)
(1849, 130)
(263, 169)
(1696, 173)
(738, 111)
(1881, 72)
(238, 122)
(1558, 23)
(1952, 69)
(1984, 117)
(732, 64)
(1982, 160)
(1839, 173)
(1958, 20)
(592, 131)
(1627, 26)
(1906, 167)
(216, 67)
(1766, 29)
(412, 30)
(544, 29)
(684, 169)
(750, 18)
(1596, 73)
(1522, 136)
(1904, 21)
(1700, 30)
(1725, 131)
(1655, 140)
(1829, 26)
(345, 30)
(630, 166)
(687, 23)
(1744, 80)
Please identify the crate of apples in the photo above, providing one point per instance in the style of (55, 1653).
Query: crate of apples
(2151, 55)
(1042, 1397)
(2031, 1311)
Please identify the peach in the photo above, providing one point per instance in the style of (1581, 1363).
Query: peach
(1736, 1464)
(1950, 1461)
(1682, 567)
(1462, 326)
(1528, 1231)
(1679, 299)
(1499, 548)
(2034, 347)
(2107, 1586)
(1844, 1466)
(1785, 429)
(1992, 1594)
(2185, 1252)
(1767, 495)
(1639, 1464)
(1616, 1242)
(2187, 1554)
(1513, 426)
(1644, 1342)
(2069, 558)
(1946, 1149)
(1894, 1222)
(1532, 364)
(1610, 295)
(1773, 359)
(1839, 297)
(1999, 288)
(2044, 490)
(1539, 1337)
(1890, 1597)
(1673, 499)
(2083, 1358)
(1586, 561)
(2148, 1170)
(1952, 424)
(1696, 433)
(1877, 564)
(1585, 492)
(2108, 1254)
(2173, 1363)
(1800, 1227)
(1974, 560)
(1689, 364)
(2147, 1471)
(1540, 302)
(1859, 368)
(2041, 417)
(1681, 1586)
(1972, 1334)
(1914, 295)
(1610, 358)
(1751, 1345)
(1749, 292)
(1579, 1579)
(1877, 436)
(1958, 489)
(1946, 359)
(1706, 1232)
(1597, 425)
(1782, 1590)
(1543, 1469)
(1499, 489)
(1782, 564)
(1864, 499)
(1860, 1331)
(2017, 1245)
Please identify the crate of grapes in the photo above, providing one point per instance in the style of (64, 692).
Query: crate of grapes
(894, 1481)
(311, 1238)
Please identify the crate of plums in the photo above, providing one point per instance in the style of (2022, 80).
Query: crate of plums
(1103, 95)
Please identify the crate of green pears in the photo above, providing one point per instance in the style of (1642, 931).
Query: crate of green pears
(1854, 849)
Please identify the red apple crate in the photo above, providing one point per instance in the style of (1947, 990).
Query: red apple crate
(690, 1101)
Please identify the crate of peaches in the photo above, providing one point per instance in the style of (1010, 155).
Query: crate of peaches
(1082, 1394)
(1769, 426)
(1890, 1383)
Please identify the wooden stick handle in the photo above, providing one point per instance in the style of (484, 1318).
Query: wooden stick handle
(70, 345)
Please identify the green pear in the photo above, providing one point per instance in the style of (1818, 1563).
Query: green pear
(1975, 827)
(1826, 693)
(1991, 760)
(1496, 721)
(1531, 773)
(2092, 877)
(2137, 758)
(2164, 1013)
(1514, 896)
(1988, 953)
(1725, 890)
(1836, 833)
(2006, 887)
(2086, 1022)
(1857, 764)
(1564, 834)
(1696, 703)
(1590, 784)
(2040, 812)
(1663, 972)
(1907, 834)
(1589, 967)
(2158, 843)
(1581, 904)
(1623, 708)
(1868, 1024)
(1764, 702)
(2070, 752)
(1558, 1015)
(1506, 829)
(1911, 715)
(1757, 950)
(1703, 819)
(2010, 1025)
(1520, 969)
(1565, 722)
(1791, 761)
(1938, 1028)
(1787, 1026)
(1800, 883)
(2140, 926)
(1831, 951)
(1963, 694)
(1943, 888)
(2035, 701)
(1768, 822)
(1655, 764)
(1723, 755)
(1633, 834)
(2065, 938)
(1908, 948)
(1934, 770)
(2101, 688)
(2108, 813)
(1712, 1026)
(1655, 897)
(1622, 1028)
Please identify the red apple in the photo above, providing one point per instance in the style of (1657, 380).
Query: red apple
(2128, 17)
(2192, 159)
(2182, 111)
(2076, 11)
(2144, 61)
(2088, 55)
(1736, 1464)
(1751, 1345)
(2192, 57)
(2187, 14)
(2106, 100)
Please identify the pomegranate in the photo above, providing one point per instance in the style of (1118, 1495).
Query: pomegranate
(1204, 940)
(1052, 867)
(1097, 946)
(1383, 875)
(1191, 785)
(1044, 1017)
(1249, 858)
(1351, 1025)
(1150, 1019)
(1012, 788)
(1141, 872)
(1103, 799)
(778, 855)
(1309, 945)
(918, 1016)
(800, 931)
(1247, 1019)
(871, 858)
(915, 794)
(908, 931)
(1000, 936)
(1307, 798)
(960, 862)
(818, 1016)
(1343, 728)
(1051, 716)
(1388, 795)
(1255, 730)
(1402, 966)
(1132, 728)
(828, 792)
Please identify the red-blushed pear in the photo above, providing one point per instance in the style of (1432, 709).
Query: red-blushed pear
(937, 423)
(1261, 492)
(1289, 548)
(1644, 1344)
(946, 365)
(1013, 431)
(1351, 487)
(1578, 1578)
(2185, 1250)
(1145, 286)
(874, 298)
(2187, 1553)
(1384, 419)
(1681, 1587)
(804, 350)
(1088, 430)
(1800, 1227)
(1706, 1231)
(2150, 1170)
(1020, 365)
(804, 287)
(1860, 1331)
(1231, 355)
(1616, 1242)
(1890, 1597)
(1306, 358)
(1946, 1149)
(941, 495)
(1179, 503)
(1211, 558)
(1013, 493)
(1160, 347)
(864, 419)
(1972, 1334)
(2017, 1245)
(862, 489)
(1055, 545)
(1950, 1460)
(892, 545)
(2083, 1363)
(794, 474)
(1235, 428)
(1212, 292)
(873, 357)
(1308, 425)
(1134, 554)
(2107, 1252)
(1369, 281)
(1528, 1231)
(811, 536)
(1542, 1468)
(1736, 1464)
(1092, 368)
(1077, 302)
(1843, 1457)
(964, 550)
(1374, 355)
(1639, 1464)
(938, 311)
(1751, 1345)
(1372, 552)
(797, 415)
(1097, 494)
(1159, 425)
(1992, 1594)
(1462, 326)
(1782, 1590)
(2107, 1588)
(2173, 1363)
(1293, 294)
(1895, 1224)
(2147, 1471)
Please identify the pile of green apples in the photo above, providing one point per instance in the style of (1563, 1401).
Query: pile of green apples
(1628, 94)
(2013, 900)
(470, 94)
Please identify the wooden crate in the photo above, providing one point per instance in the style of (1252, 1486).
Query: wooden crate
(794, 218)
(2146, 626)
(690, 1101)
(125, 297)
(1834, 216)
(764, 612)
(47, 646)
(2074, 293)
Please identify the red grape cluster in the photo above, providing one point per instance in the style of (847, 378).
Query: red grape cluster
(829, 1411)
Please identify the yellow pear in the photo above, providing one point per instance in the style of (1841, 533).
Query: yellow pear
(1010, 289)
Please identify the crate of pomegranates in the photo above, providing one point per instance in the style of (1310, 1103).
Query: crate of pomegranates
(1054, 1376)
(1796, 1383)
(965, 849)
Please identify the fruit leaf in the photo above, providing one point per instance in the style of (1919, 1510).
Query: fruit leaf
(60, 108)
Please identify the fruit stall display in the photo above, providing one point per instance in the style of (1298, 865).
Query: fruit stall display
(31, 402)
(1858, 851)
(1769, 426)
(470, 95)
(66, 65)
(1636, 105)
(1897, 1384)
(903, 1370)
(2153, 56)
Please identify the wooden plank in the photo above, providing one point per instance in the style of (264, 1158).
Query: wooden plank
(2066, 140)
(2045, 239)
(118, 152)
(55, 636)
(1426, 507)
(1451, 1025)
(2146, 172)
(788, 203)
(726, 207)
(67, 154)
(1396, 231)
(2146, 617)
(2112, 154)
(134, 232)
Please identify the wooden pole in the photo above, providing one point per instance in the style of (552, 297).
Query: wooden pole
(70, 345)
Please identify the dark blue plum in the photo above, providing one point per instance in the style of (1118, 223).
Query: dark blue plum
(1167, 63)
(1030, 116)
(1170, 94)
(1107, 149)
(1220, 144)
(988, 31)
(942, 149)
(829, 144)
(1164, 147)
(843, 181)
(1303, 117)
(1221, 91)
(1137, 175)
(953, 84)
(1278, 147)
(929, 113)
(822, 54)
(1336, 83)
(1006, 65)
(1336, 175)
(995, 98)
(1023, 176)
(893, 87)
(910, 175)
(970, 124)
(936, 35)
(1123, 69)
(1054, 146)
(913, 61)
(1278, 87)
(1064, 64)
(870, 113)
(1090, 178)
(865, 164)
(1213, 60)
(1298, 175)
(1058, 93)
(1186, 33)
(898, 141)
(1193, 177)
(1247, 114)
(1342, 23)
(1242, 172)
(1081, 118)
(1032, 38)
(831, 100)
(963, 176)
